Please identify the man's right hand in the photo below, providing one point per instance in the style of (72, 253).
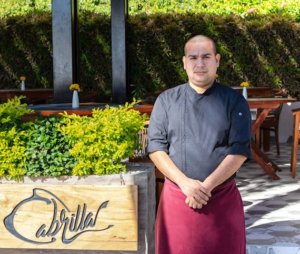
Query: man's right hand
(196, 194)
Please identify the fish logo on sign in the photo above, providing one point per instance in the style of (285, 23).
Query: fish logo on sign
(62, 222)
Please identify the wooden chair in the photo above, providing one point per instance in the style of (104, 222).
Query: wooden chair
(296, 138)
(141, 156)
(271, 124)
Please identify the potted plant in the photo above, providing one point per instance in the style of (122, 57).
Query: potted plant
(77, 166)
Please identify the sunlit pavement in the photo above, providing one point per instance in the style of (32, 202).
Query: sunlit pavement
(272, 207)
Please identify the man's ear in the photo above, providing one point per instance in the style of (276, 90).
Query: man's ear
(183, 61)
(218, 58)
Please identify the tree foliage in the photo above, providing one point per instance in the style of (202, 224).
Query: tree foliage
(241, 8)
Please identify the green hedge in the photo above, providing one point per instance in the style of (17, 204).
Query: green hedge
(261, 49)
(242, 8)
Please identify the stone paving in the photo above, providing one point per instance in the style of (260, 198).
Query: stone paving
(272, 207)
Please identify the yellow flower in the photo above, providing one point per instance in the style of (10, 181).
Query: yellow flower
(73, 87)
(22, 78)
(216, 76)
(245, 84)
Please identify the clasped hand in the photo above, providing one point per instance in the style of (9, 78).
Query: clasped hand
(196, 194)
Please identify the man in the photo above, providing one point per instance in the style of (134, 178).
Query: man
(199, 136)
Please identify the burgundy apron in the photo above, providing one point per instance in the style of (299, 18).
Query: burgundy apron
(217, 228)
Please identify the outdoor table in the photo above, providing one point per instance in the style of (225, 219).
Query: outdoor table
(33, 95)
(266, 105)
(257, 92)
(85, 109)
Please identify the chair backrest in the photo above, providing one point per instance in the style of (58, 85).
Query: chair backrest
(140, 153)
(272, 118)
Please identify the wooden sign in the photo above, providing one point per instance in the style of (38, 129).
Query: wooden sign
(78, 217)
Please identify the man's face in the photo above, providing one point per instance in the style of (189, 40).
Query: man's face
(200, 63)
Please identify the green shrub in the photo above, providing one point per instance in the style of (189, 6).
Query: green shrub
(100, 143)
(13, 137)
(67, 144)
(12, 153)
(12, 112)
(47, 151)
(216, 7)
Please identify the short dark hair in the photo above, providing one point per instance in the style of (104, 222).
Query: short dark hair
(201, 37)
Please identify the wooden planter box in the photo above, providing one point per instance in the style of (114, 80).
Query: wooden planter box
(93, 214)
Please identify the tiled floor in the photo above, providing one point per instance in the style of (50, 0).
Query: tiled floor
(272, 207)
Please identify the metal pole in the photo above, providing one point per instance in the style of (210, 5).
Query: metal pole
(65, 47)
(119, 12)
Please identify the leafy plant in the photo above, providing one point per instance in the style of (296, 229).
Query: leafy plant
(11, 113)
(13, 137)
(67, 144)
(12, 153)
(100, 143)
(47, 151)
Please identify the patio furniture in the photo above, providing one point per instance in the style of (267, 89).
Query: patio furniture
(270, 124)
(256, 92)
(265, 105)
(296, 138)
(44, 95)
(33, 96)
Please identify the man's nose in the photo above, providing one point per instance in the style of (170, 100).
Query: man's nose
(200, 62)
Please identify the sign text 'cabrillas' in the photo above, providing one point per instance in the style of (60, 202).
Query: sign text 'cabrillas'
(68, 217)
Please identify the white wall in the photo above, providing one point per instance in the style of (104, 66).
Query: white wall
(286, 121)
